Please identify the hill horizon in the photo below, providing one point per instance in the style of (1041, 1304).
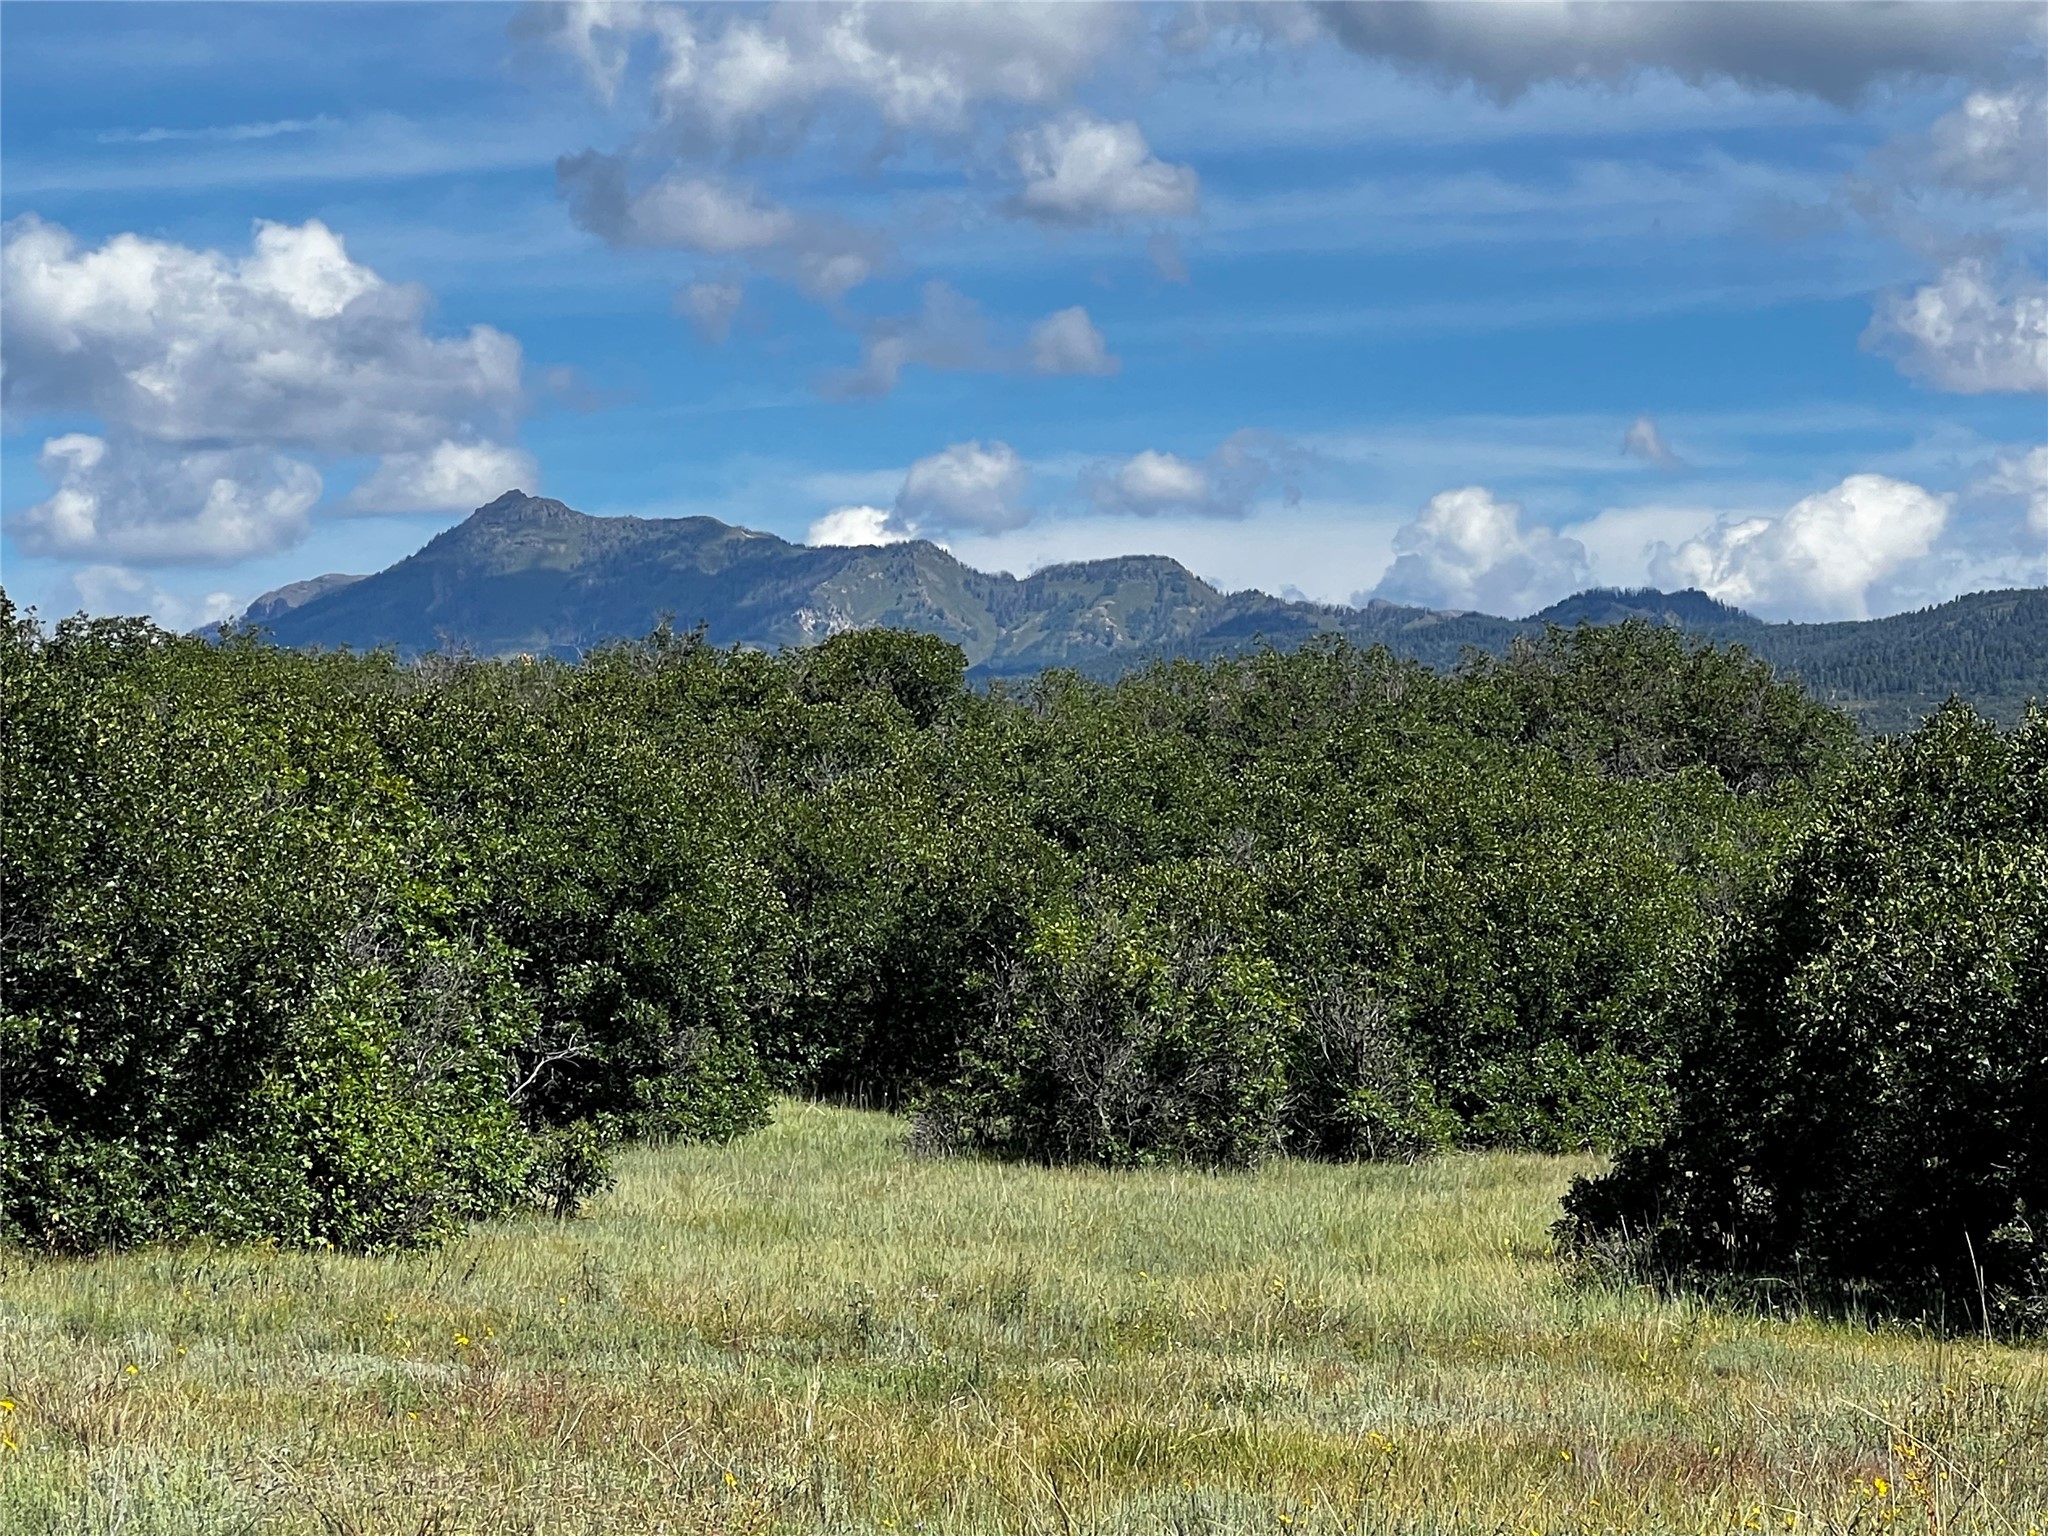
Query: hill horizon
(532, 575)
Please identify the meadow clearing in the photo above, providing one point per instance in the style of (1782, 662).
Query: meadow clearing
(812, 1330)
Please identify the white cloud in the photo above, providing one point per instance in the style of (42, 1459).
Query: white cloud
(732, 78)
(1970, 185)
(1468, 549)
(712, 307)
(858, 525)
(1644, 441)
(143, 502)
(2024, 476)
(1995, 142)
(1068, 342)
(697, 214)
(449, 477)
(1080, 170)
(294, 346)
(727, 83)
(1968, 332)
(209, 372)
(1821, 559)
(949, 333)
(598, 34)
(1151, 483)
(1331, 549)
(970, 485)
(229, 133)
(112, 589)
(685, 212)
(1619, 540)
(1827, 48)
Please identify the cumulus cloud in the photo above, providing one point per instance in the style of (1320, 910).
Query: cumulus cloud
(1818, 560)
(1995, 143)
(2025, 477)
(1468, 549)
(449, 477)
(1068, 342)
(1954, 197)
(1835, 49)
(1972, 331)
(1978, 173)
(1644, 441)
(711, 307)
(141, 502)
(725, 78)
(726, 84)
(949, 333)
(1078, 169)
(208, 372)
(294, 346)
(970, 485)
(714, 217)
(1151, 483)
(858, 526)
(114, 589)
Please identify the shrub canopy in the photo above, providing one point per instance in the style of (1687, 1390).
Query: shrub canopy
(1862, 1102)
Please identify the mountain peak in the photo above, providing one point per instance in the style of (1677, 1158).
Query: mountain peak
(527, 574)
(517, 506)
(1686, 609)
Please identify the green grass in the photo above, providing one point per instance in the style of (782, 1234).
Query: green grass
(812, 1331)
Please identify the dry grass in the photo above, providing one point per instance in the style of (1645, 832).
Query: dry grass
(810, 1331)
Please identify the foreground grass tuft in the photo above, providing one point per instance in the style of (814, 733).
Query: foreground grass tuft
(811, 1331)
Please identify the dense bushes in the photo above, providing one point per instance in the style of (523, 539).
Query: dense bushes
(233, 1001)
(324, 948)
(315, 950)
(1862, 1106)
(1137, 1030)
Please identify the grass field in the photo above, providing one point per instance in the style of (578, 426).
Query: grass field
(812, 1331)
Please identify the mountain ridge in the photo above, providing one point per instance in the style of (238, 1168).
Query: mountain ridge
(531, 575)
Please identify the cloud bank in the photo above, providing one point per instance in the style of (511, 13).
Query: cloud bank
(1836, 51)
(1818, 560)
(1972, 331)
(1468, 549)
(212, 375)
(1080, 170)
(1151, 483)
(972, 486)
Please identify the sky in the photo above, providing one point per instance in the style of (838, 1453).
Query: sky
(1470, 306)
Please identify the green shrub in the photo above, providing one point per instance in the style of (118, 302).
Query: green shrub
(1128, 1033)
(233, 1005)
(1356, 1088)
(1863, 1107)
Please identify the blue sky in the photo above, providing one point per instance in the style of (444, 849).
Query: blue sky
(1463, 305)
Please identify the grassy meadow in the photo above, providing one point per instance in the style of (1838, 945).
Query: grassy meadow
(811, 1330)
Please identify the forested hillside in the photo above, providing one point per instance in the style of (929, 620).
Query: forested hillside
(323, 948)
(530, 576)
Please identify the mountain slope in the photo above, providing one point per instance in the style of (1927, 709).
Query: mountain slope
(526, 574)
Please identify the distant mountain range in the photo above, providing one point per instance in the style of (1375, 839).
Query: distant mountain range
(530, 575)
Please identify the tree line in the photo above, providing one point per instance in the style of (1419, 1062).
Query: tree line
(326, 949)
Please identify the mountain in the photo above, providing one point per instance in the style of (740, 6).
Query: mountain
(267, 608)
(1614, 605)
(530, 575)
(526, 574)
